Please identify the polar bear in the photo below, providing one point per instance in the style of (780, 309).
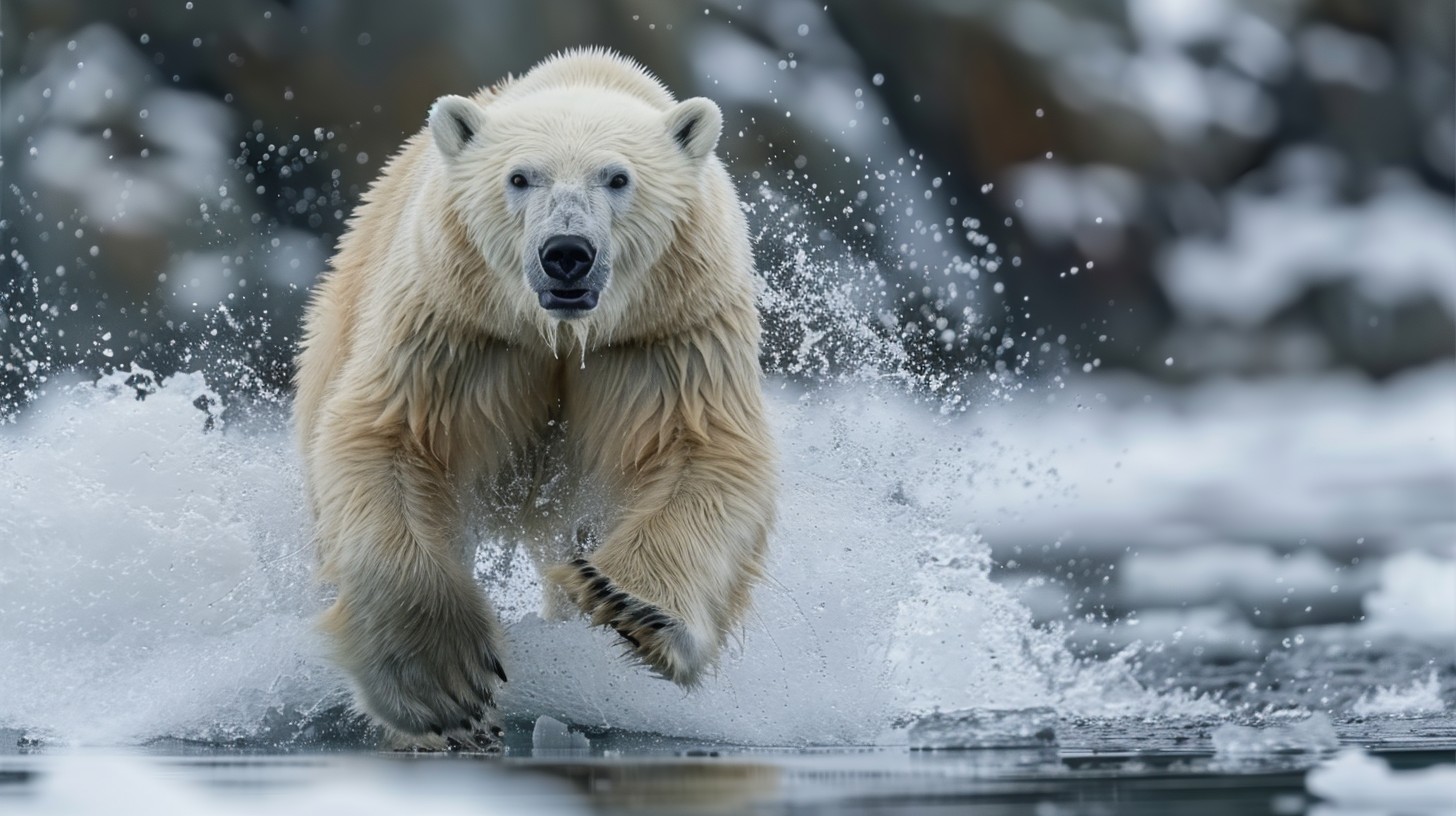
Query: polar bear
(541, 318)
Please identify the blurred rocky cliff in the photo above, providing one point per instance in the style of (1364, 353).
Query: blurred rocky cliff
(1248, 187)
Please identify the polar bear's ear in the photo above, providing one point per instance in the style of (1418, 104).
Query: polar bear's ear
(454, 121)
(695, 125)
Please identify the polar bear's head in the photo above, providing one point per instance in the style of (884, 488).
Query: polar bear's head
(573, 194)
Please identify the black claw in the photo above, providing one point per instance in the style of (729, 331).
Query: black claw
(580, 562)
(656, 625)
(497, 731)
(629, 638)
(589, 571)
(437, 730)
(495, 666)
(599, 585)
(465, 725)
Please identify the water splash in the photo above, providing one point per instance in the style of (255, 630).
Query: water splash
(153, 573)
(156, 582)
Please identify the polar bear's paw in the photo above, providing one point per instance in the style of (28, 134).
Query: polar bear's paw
(424, 712)
(480, 738)
(431, 682)
(661, 640)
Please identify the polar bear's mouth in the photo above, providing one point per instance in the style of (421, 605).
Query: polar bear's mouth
(568, 300)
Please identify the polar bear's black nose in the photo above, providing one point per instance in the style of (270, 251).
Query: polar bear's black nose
(567, 258)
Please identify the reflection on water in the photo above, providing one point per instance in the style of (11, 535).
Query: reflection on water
(621, 777)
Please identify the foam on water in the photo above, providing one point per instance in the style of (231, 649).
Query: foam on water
(154, 581)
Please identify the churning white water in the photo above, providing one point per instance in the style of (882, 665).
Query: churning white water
(156, 582)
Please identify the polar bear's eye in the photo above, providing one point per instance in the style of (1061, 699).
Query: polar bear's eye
(618, 181)
(519, 181)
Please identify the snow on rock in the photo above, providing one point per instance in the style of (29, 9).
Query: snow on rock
(1116, 464)
(1398, 245)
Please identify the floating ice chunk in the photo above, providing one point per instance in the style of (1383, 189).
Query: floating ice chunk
(1355, 779)
(1421, 697)
(985, 728)
(551, 734)
(1314, 733)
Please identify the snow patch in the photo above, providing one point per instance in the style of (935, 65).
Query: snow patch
(1396, 246)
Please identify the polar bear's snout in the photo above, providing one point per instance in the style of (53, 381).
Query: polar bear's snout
(567, 258)
(568, 261)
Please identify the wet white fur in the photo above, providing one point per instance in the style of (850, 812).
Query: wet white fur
(431, 382)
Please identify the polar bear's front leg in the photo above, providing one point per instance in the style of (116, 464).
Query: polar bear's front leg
(674, 578)
(694, 458)
(409, 625)
(662, 639)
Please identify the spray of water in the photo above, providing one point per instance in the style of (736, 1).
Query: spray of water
(155, 561)
(156, 582)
